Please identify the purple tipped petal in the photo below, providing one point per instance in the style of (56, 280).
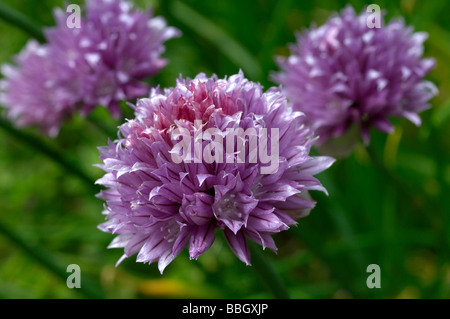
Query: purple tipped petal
(201, 239)
(164, 260)
(238, 245)
(316, 165)
(135, 244)
(263, 239)
(181, 241)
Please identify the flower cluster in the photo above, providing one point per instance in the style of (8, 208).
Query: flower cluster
(345, 73)
(101, 63)
(158, 207)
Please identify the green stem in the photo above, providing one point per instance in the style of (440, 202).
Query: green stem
(44, 148)
(267, 273)
(50, 262)
(20, 21)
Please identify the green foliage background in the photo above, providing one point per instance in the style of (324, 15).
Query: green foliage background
(394, 213)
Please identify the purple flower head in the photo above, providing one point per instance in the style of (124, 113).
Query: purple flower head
(344, 73)
(158, 205)
(101, 63)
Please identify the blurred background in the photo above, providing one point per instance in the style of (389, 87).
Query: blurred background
(389, 206)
